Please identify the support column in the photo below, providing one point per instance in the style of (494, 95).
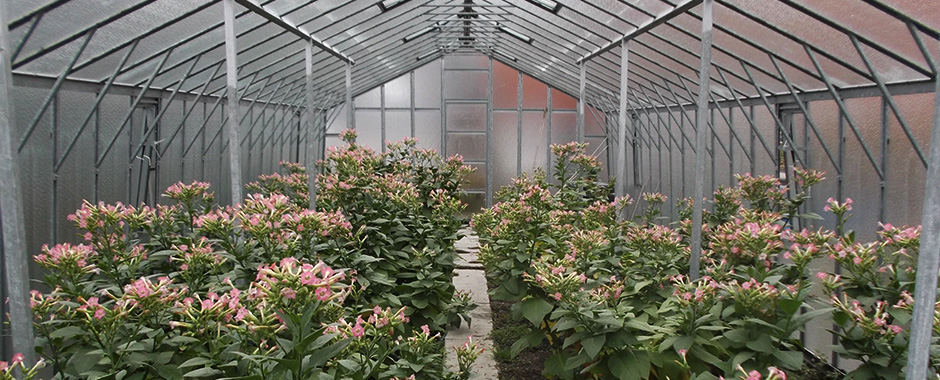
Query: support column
(928, 262)
(701, 126)
(489, 135)
(581, 93)
(350, 107)
(621, 185)
(231, 73)
(16, 269)
(313, 132)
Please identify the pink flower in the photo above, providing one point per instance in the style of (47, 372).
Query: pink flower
(99, 314)
(358, 331)
(753, 375)
(289, 293)
(425, 329)
(18, 358)
(323, 293)
(557, 296)
(895, 329)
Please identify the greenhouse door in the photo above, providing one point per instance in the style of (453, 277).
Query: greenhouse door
(142, 173)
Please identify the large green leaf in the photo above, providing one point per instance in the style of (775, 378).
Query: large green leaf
(593, 345)
(203, 372)
(535, 310)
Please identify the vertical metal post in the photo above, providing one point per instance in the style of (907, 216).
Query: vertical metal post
(16, 271)
(231, 73)
(581, 93)
(489, 135)
(519, 126)
(382, 117)
(548, 131)
(928, 263)
(700, 137)
(313, 146)
(411, 76)
(350, 107)
(621, 185)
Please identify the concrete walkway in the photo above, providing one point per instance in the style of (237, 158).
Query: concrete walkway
(470, 276)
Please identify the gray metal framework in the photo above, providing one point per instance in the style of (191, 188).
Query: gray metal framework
(768, 73)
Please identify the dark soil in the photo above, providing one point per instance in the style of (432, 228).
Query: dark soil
(528, 364)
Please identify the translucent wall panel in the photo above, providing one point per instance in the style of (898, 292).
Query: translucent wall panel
(397, 124)
(534, 93)
(466, 117)
(505, 86)
(465, 84)
(905, 171)
(428, 85)
(398, 92)
(428, 129)
(504, 158)
(561, 101)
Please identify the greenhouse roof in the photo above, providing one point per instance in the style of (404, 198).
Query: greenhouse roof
(759, 47)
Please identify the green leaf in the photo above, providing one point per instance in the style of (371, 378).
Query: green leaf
(203, 372)
(738, 335)
(593, 345)
(624, 366)
(790, 359)
(321, 356)
(195, 362)
(67, 332)
(535, 310)
(790, 306)
(532, 339)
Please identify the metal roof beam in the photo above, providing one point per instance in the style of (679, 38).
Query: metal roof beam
(679, 9)
(279, 21)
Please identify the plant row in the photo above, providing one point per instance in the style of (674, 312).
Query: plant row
(359, 288)
(613, 298)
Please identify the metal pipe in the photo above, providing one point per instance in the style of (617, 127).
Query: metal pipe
(312, 143)
(621, 185)
(581, 92)
(928, 262)
(350, 107)
(231, 73)
(700, 135)
(15, 257)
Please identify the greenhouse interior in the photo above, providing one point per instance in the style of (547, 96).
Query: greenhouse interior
(457, 189)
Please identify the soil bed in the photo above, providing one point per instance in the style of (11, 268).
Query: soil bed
(528, 364)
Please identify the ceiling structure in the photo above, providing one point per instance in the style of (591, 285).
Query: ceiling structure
(759, 47)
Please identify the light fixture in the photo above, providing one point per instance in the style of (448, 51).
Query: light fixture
(419, 33)
(389, 4)
(551, 6)
(504, 55)
(520, 36)
(426, 55)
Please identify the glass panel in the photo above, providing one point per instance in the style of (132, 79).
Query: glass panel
(534, 93)
(471, 147)
(466, 117)
(906, 173)
(598, 148)
(397, 125)
(466, 84)
(398, 92)
(594, 122)
(369, 99)
(505, 86)
(561, 101)
(564, 127)
(477, 179)
(504, 156)
(369, 126)
(534, 141)
(428, 129)
(428, 85)
(475, 202)
(466, 62)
